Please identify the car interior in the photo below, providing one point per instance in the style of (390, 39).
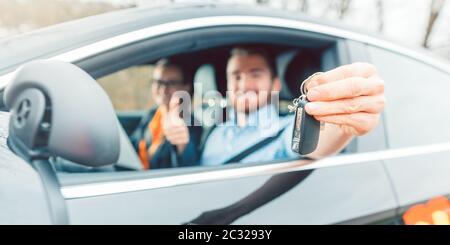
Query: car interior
(294, 65)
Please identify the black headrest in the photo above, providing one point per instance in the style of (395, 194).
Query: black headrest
(58, 108)
(302, 65)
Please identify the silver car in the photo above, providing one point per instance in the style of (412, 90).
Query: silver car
(66, 159)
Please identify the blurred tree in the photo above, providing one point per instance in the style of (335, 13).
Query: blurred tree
(380, 15)
(340, 7)
(303, 6)
(435, 10)
(25, 15)
(262, 1)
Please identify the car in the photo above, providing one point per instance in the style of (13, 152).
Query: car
(65, 156)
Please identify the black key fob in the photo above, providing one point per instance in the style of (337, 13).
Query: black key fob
(305, 136)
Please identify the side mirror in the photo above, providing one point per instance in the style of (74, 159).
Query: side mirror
(57, 109)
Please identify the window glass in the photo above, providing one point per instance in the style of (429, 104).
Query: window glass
(418, 99)
(129, 89)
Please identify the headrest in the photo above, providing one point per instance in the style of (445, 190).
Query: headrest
(302, 65)
(58, 108)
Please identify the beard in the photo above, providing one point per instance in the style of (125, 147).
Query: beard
(250, 101)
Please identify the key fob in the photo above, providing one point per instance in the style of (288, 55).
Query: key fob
(306, 131)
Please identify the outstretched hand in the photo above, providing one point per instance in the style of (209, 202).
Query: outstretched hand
(350, 96)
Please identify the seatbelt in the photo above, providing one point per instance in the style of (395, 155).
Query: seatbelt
(253, 148)
(204, 138)
(173, 156)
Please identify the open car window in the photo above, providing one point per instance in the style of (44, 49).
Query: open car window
(129, 90)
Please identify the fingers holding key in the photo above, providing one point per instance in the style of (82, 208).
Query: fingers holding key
(346, 88)
(369, 104)
(359, 69)
(350, 96)
(355, 123)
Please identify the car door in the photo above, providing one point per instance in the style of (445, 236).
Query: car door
(417, 119)
(352, 187)
(21, 191)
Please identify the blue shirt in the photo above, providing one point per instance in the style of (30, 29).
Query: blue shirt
(228, 139)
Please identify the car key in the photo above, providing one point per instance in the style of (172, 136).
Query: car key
(305, 136)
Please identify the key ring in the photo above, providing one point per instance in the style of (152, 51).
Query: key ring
(303, 89)
(296, 101)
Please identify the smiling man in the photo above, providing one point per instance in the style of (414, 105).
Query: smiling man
(349, 99)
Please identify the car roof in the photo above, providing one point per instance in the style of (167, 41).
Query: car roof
(55, 39)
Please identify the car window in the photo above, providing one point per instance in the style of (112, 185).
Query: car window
(130, 92)
(129, 89)
(417, 99)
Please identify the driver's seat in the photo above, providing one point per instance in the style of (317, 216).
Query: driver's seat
(293, 67)
(302, 65)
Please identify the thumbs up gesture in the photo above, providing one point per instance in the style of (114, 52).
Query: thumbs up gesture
(174, 127)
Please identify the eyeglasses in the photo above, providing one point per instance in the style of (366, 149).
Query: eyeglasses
(166, 83)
